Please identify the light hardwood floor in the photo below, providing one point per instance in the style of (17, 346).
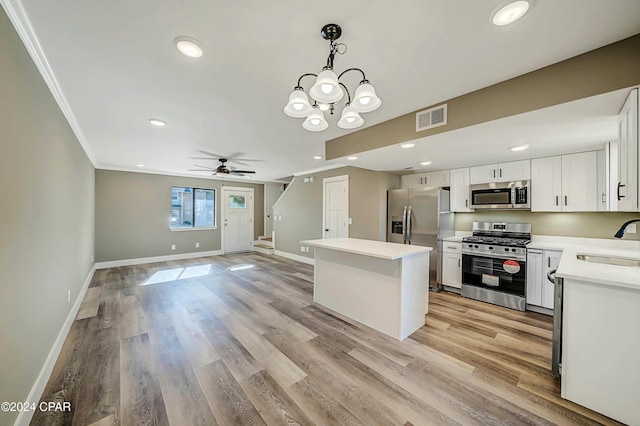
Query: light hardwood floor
(193, 343)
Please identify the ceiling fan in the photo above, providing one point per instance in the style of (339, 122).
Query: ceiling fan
(222, 169)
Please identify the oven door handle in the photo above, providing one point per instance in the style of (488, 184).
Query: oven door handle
(551, 275)
(495, 256)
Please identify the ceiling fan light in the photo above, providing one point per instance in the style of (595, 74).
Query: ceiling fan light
(327, 89)
(365, 99)
(298, 105)
(315, 122)
(350, 119)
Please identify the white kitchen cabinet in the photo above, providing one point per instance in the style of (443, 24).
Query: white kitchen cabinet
(546, 184)
(439, 178)
(459, 195)
(580, 182)
(600, 347)
(540, 290)
(534, 277)
(628, 178)
(551, 259)
(503, 172)
(452, 264)
(411, 181)
(568, 183)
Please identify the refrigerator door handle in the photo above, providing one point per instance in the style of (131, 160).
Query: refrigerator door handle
(404, 225)
(409, 230)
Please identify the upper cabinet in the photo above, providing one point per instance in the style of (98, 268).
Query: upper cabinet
(568, 183)
(439, 178)
(626, 196)
(503, 172)
(459, 195)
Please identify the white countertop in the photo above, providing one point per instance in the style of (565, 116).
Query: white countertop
(454, 239)
(572, 268)
(380, 249)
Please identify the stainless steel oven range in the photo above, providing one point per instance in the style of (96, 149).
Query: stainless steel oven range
(494, 263)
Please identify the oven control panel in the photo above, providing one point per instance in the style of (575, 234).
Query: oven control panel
(494, 250)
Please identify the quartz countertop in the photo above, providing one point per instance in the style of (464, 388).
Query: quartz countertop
(380, 249)
(572, 268)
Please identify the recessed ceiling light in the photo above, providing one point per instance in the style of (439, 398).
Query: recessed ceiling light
(189, 46)
(519, 147)
(352, 158)
(317, 157)
(425, 163)
(510, 13)
(407, 145)
(157, 122)
(140, 165)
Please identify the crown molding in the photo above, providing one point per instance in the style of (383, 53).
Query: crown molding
(18, 17)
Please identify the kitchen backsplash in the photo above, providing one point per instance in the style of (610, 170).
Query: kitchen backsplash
(587, 225)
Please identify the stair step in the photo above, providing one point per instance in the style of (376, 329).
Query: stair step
(262, 248)
(261, 238)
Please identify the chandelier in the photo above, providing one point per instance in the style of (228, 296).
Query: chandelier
(328, 90)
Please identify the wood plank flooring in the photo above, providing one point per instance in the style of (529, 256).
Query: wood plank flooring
(194, 343)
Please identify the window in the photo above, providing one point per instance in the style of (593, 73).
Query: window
(193, 208)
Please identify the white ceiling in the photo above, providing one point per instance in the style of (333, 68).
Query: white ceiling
(116, 65)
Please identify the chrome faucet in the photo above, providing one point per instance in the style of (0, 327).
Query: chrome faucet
(620, 232)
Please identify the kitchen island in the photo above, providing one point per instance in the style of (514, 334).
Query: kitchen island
(381, 285)
(600, 330)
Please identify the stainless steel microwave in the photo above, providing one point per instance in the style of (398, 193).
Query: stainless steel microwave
(501, 195)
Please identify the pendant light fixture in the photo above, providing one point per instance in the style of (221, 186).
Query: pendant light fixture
(327, 91)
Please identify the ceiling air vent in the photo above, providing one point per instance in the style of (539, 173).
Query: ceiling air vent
(432, 117)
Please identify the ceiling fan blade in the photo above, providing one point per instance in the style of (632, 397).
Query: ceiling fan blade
(200, 170)
(241, 171)
(210, 153)
(204, 167)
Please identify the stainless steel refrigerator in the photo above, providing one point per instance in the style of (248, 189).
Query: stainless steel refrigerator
(421, 216)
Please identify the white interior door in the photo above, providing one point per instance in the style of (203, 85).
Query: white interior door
(237, 221)
(336, 207)
(271, 195)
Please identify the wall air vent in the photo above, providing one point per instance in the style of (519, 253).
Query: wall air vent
(432, 117)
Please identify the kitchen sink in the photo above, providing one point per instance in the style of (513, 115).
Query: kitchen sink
(609, 260)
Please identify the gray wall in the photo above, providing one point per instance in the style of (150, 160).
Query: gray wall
(587, 225)
(301, 207)
(47, 217)
(133, 211)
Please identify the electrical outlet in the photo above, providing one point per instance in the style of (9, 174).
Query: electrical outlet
(69, 295)
(197, 245)
(631, 228)
(306, 249)
(302, 249)
(173, 246)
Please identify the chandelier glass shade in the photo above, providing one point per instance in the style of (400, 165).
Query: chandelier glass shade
(328, 90)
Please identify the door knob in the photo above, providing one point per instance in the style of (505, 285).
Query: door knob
(327, 230)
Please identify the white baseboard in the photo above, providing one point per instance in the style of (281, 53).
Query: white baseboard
(292, 256)
(141, 260)
(24, 418)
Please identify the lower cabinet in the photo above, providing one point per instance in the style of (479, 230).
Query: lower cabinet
(540, 289)
(452, 264)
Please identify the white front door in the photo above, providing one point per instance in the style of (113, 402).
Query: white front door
(237, 221)
(336, 207)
